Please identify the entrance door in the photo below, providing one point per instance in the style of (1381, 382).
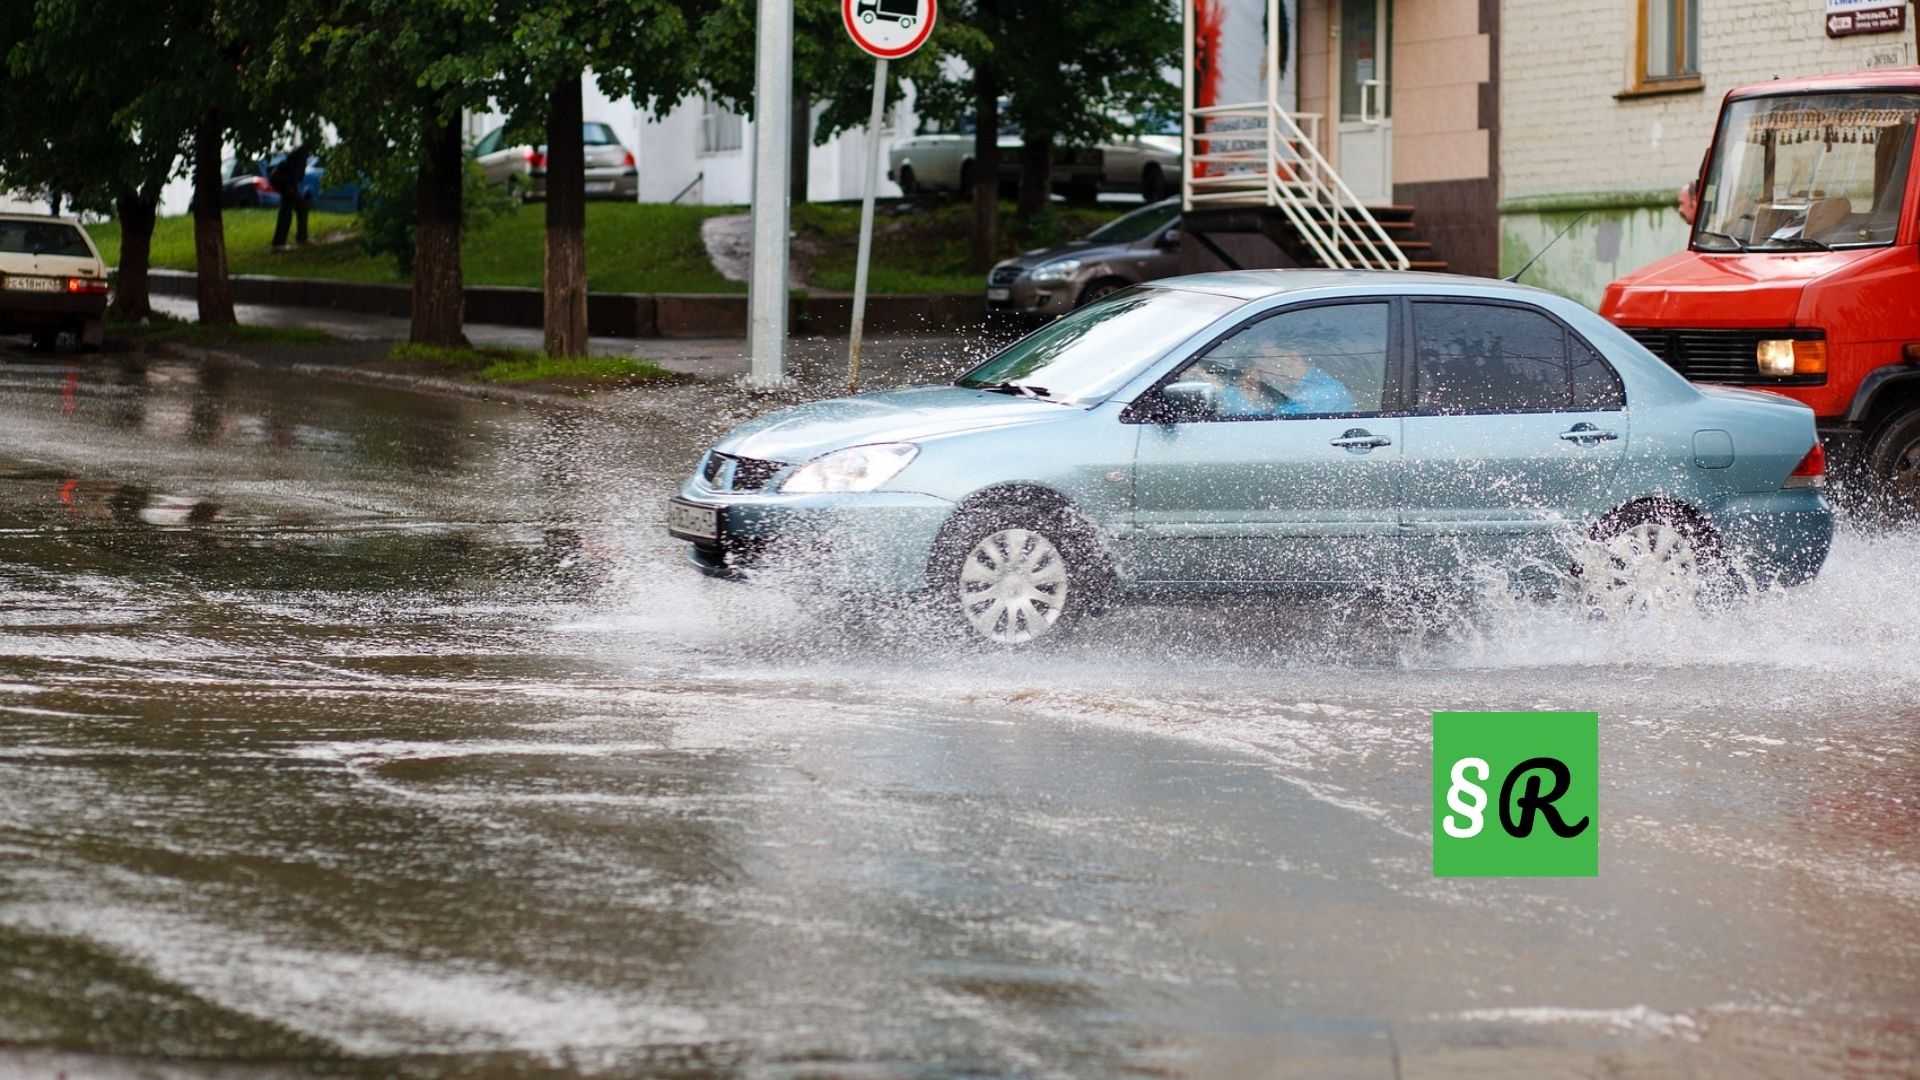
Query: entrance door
(1365, 126)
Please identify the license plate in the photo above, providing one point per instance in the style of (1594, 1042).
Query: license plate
(600, 186)
(999, 294)
(34, 284)
(690, 521)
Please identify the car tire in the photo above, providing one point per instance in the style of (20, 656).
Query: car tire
(966, 179)
(45, 340)
(1153, 184)
(1891, 471)
(1010, 576)
(909, 183)
(1650, 556)
(90, 333)
(1099, 289)
(1084, 190)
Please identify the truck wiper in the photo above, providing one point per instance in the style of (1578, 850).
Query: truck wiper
(1735, 244)
(1805, 242)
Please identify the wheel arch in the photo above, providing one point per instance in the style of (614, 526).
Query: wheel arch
(1021, 494)
(1884, 393)
(1658, 506)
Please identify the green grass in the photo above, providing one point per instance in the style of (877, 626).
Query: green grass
(164, 328)
(642, 247)
(928, 250)
(531, 365)
(631, 247)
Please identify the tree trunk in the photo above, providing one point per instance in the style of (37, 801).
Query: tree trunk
(801, 146)
(566, 292)
(215, 289)
(439, 305)
(986, 168)
(136, 210)
(1036, 173)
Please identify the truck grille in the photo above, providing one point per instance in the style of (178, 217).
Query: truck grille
(1721, 356)
(1005, 275)
(729, 473)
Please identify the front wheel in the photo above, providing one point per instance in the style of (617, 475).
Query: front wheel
(1009, 577)
(1893, 470)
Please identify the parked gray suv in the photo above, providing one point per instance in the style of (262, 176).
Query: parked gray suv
(1137, 247)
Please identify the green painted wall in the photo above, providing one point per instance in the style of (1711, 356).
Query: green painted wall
(1622, 231)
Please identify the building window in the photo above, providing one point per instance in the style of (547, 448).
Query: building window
(719, 128)
(1669, 41)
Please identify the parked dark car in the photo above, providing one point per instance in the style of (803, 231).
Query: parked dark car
(1128, 250)
(247, 186)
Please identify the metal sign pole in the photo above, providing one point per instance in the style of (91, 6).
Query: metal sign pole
(866, 225)
(772, 119)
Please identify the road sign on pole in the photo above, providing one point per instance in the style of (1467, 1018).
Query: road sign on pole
(773, 116)
(888, 29)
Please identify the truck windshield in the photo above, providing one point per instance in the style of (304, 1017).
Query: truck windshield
(1808, 172)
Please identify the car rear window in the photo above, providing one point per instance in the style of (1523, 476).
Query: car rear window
(598, 135)
(43, 238)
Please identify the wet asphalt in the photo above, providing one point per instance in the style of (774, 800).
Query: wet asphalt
(348, 730)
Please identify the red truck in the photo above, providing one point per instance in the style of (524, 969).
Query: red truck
(1802, 275)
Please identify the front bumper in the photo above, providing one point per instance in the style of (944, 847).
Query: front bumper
(1025, 297)
(1780, 538)
(877, 540)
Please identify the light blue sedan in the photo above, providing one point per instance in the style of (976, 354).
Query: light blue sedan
(1271, 430)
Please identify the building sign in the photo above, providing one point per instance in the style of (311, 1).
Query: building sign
(1233, 53)
(1848, 17)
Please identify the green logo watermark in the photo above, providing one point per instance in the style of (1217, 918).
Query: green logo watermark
(1516, 794)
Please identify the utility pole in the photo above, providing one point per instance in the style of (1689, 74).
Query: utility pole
(772, 119)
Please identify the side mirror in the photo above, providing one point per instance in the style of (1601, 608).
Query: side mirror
(1188, 401)
(1170, 238)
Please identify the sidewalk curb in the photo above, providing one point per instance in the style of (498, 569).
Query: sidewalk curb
(423, 384)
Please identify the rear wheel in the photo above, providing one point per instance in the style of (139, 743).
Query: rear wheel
(1153, 184)
(1647, 557)
(45, 340)
(1893, 470)
(1014, 576)
(966, 179)
(909, 183)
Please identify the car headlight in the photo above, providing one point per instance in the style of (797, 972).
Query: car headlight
(1056, 271)
(858, 468)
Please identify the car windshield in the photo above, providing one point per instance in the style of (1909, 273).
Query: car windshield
(1135, 226)
(43, 238)
(1083, 357)
(1808, 172)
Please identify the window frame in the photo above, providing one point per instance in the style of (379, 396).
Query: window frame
(1150, 408)
(712, 114)
(1686, 17)
(1409, 390)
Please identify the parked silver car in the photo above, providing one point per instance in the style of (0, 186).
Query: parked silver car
(611, 171)
(1128, 250)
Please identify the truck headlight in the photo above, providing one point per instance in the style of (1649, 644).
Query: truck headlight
(858, 468)
(1781, 358)
(1062, 270)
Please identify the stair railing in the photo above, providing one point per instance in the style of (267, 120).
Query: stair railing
(1275, 162)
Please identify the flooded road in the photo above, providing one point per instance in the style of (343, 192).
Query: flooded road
(351, 731)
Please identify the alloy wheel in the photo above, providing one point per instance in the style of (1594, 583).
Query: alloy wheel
(1649, 565)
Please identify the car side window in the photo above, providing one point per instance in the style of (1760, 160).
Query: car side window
(1486, 358)
(1319, 361)
(489, 144)
(1596, 387)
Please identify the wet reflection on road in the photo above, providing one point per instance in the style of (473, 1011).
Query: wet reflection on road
(372, 732)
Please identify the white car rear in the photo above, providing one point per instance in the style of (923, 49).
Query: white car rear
(52, 280)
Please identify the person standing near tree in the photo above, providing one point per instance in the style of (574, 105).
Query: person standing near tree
(285, 178)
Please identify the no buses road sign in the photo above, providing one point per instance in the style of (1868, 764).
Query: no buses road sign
(889, 29)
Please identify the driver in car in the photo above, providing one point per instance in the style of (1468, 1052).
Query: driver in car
(1285, 383)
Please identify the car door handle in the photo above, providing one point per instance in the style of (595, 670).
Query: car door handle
(1360, 440)
(1585, 434)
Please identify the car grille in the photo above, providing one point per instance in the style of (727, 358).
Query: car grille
(1721, 356)
(729, 473)
(1005, 275)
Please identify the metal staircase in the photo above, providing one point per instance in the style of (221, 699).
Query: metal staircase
(1257, 154)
